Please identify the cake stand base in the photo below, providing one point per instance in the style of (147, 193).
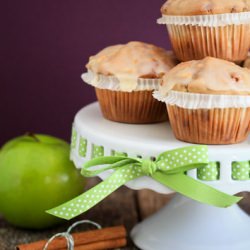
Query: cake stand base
(185, 224)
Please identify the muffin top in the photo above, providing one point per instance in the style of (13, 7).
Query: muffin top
(204, 7)
(132, 60)
(207, 76)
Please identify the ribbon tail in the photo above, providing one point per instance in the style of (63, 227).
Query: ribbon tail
(93, 196)
(196, 190)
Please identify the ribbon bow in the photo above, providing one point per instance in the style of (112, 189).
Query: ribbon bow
(168, 169)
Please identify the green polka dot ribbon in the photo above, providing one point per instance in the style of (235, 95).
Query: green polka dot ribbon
(241, 171)
(210, 172)
(97, 151)
(117, 153)
(73, 138)
(82, 147)
(168, 169)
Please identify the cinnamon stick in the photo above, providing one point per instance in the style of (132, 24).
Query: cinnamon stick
(103, 245)
(100, 237)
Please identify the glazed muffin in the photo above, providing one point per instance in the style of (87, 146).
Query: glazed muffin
(124, 77)
(208, 101)
(217, 28)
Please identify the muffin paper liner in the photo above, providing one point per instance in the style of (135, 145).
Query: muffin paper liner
(203, 101)
(210, 126)
(137, 107)
(225, 36)
(112, 83)
(196, 42)
(207, 20)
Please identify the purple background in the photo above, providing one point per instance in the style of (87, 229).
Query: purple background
(45, 45)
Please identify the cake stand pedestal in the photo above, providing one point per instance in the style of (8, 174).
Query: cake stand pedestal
(184, 224)
(188, 225)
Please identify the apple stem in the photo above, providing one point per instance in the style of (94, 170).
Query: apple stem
(33, 136)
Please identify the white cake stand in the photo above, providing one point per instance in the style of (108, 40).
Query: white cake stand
(183, 224)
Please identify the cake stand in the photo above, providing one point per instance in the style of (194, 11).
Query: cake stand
(183, 224)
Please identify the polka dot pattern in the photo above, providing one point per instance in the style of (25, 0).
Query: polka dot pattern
(97, 151)
(182, 157)
(241, 171)
(177, 159)
(117, 153)
(73, 138)
(82, 150)
(210, 172)
(93, 196)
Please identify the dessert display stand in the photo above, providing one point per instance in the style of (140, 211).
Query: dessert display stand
(183, 224)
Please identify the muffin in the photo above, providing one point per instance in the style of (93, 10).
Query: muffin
(217, 28)
(124, 77)
(208, 101)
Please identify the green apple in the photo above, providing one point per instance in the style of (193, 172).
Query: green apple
(35, 175)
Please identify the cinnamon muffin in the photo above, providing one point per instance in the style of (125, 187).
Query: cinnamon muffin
(208, 101)
(218, 28)
(124, 77)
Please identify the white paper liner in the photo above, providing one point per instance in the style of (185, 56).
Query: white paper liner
(203, 101)
(207, 20)
(112, 83)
